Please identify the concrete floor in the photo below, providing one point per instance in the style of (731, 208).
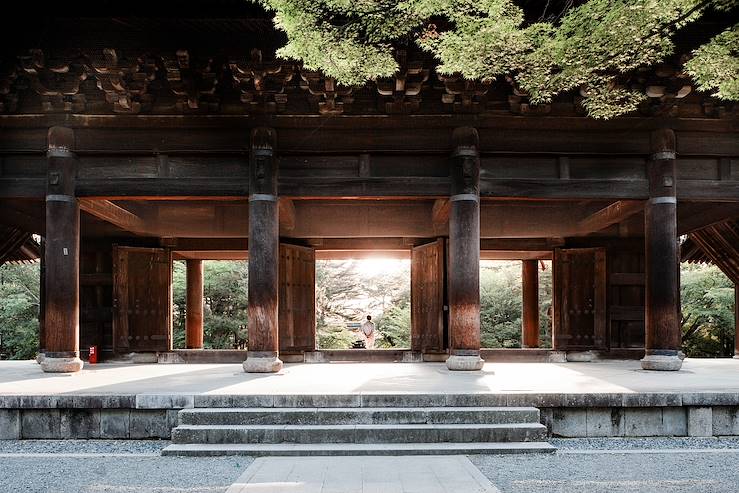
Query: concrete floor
(697, 375)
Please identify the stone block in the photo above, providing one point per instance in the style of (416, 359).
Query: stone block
(642, 422)
(700, 421)
(403, 400)
(652, 399)
(579, 356)
(115, 423)
(80, 423)
(569, 422)
(725, 421)
(535, 400)
(557, 357)
(591, 400)
(711, 399)
(546, 416)
(317, 400)
(605, 422)
(314, 357)
(37, 402)
(9, 402)
(164, 401)
(10, 424)
(475, 400)
(255, 400)
(674, 421)
(412, 357)
(40, 423)
(149, 424)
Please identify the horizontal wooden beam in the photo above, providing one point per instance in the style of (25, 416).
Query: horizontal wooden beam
(114, 214)
(610, 215)
(516, 254)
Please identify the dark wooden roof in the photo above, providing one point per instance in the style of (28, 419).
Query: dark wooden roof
(17, 246)
(717, 244)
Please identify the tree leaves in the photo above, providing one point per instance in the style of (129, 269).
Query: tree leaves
(589, 48)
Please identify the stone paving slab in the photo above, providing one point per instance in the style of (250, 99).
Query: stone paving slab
(404, 474)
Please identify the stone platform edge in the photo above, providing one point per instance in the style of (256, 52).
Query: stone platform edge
(147, 416)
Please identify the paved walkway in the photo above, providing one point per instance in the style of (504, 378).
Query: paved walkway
(697, 375)
(404, 474)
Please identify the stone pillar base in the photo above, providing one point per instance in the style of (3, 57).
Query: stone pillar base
(662, 362)
(40, 357)
(262, 362)
(579, 356)
(412, 357)
(458, 362)
(61, 365)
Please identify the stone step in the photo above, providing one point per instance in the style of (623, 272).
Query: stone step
(381, 433)
(291, 449)
(336, 416)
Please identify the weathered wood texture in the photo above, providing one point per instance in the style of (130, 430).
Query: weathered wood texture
(427, 297)
(579, 299)
(661, 250)
(96, 296)
(194, 306)
(263, 245)
(62, 248)
(42, 298)
(464, 245)
(142, 299)
(297, 298)
(530, 303)
(626, 297)
(736, 319)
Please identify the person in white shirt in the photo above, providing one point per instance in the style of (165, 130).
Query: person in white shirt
(368, 329)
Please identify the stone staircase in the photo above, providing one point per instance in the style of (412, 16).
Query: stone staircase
(261, 431)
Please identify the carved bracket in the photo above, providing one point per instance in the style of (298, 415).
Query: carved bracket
(193, 83)
(403, 92)
(331, 98)
(57, 82)
(262, 84)
(124, 82)
(463, 95)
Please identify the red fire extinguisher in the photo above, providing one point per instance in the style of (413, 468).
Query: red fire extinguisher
(93, 355)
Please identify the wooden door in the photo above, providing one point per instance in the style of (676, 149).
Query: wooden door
(142, 299)
(579, 299)
(297, 298)
(427, 297)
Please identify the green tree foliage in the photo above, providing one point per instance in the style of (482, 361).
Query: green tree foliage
(707, 312)
(349, 290)
(19, 305)
(501, 304)
(589, 47)
(225, 290)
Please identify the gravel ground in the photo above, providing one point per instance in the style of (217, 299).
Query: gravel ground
(608, 472)
(82, 446)
(645, 443)
(141, 472)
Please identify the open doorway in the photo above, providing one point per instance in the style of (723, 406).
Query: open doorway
(501, 303)
(225, 303)
(349, 290)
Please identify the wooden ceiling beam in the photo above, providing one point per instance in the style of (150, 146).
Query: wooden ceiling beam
(613, 214)
(114, 214)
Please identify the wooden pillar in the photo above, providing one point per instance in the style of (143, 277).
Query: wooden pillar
(530, 315)
(194, 313)
(662, 262)
(61, 257)
(264, 245)
(736, 320)
(41, 304)
(464, 253)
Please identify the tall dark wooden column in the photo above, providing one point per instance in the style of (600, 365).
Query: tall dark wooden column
(464, 252)
(736, 320)
(530, 315)
(662, 262)
(264, 248)
(41, 304)
(194, 313)
(61, 257)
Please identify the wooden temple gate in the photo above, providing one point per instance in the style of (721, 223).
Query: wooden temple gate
(123, 161)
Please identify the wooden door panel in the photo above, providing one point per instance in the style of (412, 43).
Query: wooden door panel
(297, 296)
(142, 299)
(580, 299)
(427, 297)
